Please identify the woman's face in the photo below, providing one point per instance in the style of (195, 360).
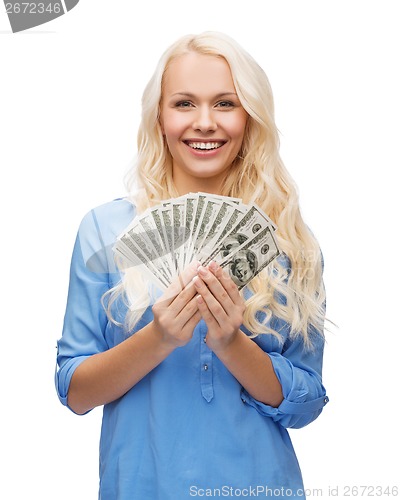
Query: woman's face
(202, 120)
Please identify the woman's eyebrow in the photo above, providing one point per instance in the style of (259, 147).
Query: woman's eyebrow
(192, 96)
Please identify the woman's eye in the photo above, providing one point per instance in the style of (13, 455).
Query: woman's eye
(225, 104)
(183, 104)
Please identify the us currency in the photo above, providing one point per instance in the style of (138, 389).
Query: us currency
(202, 197)
(190, 209)
(147, 253)
(213, 245)
(132, 254)
(128, 261)
(221, 198)
(250, 258)
(209, 213)
(166, 215)
(246, 227)
(209, 205)
(158, 221)
(166, 238)
(178, 235)
(219, 225)
(147, 222)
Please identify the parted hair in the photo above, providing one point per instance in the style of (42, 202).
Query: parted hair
(256, 175)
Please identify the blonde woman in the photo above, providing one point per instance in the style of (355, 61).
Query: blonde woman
(200, 383)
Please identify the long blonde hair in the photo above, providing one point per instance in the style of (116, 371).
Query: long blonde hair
(257, 175)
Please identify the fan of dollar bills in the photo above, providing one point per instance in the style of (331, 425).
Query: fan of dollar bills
(166, 238)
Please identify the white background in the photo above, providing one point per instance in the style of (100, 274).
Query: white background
(70, 95)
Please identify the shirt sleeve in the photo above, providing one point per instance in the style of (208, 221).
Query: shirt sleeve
(85, 319)
(299, 371)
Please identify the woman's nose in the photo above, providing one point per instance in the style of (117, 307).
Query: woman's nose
(204, 120)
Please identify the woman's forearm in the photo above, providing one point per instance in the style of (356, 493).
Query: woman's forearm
(106, 376)
(253, 369)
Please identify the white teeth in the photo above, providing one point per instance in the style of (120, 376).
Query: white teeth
(205, 145)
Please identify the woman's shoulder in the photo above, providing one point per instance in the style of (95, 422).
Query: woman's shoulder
(109, 219)
(99, 230)
(119, 211)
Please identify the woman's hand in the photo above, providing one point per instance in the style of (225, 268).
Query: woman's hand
(176, 312)
(220, 305)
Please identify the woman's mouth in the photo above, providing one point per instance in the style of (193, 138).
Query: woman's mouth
(204, 146)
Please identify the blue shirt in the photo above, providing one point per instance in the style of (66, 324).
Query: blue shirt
(187, 429)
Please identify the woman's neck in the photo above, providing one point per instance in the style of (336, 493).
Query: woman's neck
(212, 186)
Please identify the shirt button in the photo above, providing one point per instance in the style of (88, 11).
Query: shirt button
(205, 367)
(204, 339)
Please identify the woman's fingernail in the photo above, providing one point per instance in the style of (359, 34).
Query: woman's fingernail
(196, 281)
(213, 265)
(202, 270)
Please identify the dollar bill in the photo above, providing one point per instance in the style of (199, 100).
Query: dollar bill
(161, 229)
(219, 226)
(151, 231)
(208, 215)
(166, 216)
(178, 235)
(190, 209)
(253, 221)
(131, 254)
(250, 258)
(202, 197)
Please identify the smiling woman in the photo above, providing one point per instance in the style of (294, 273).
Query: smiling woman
(203, 127)
(199, 383)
